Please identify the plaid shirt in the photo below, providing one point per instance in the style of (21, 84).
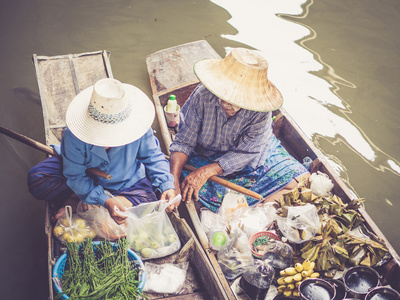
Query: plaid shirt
(205, 130)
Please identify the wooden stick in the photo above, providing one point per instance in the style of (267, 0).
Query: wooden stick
(197, 225)
(46, 149)
(227, 184)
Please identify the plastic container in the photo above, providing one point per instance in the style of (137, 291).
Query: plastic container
(171, 104)
(316, 288)
(59, 268)
(360, 280)
(171, 111)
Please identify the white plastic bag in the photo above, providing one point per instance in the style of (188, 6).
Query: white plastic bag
(105, 227)
(150, 232)
(165, 278)
(321, 185)
(211, 221)
(232, 204)
(301, 223)
(256, 218)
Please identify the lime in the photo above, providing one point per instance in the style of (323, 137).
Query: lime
(219, 238)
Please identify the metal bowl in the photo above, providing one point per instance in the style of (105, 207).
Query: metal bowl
(383, 293)
(340, 288)
(360, 280)
(316, 288)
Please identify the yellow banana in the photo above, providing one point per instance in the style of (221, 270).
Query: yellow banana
(290, 286)
(307, 273)
(296, 293)
(298, 267)
(287, 293)
(290, 271)
(297, 283)
(314, 275)
(312, 265)
(297, 277)
(281, 288)
(281, 281)
(306, 264)
(288, 279)
(282, 273)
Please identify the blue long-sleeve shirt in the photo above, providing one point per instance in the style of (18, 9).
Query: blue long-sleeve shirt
(205, 130)
(126, 164)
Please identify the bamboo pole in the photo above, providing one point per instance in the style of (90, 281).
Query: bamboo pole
(46, 149)
(227, 184)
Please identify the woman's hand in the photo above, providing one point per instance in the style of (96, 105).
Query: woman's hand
(192, 183)
(114, 207)
(169, 195)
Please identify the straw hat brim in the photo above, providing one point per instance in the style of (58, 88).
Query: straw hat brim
(248, 92)
(96, 133)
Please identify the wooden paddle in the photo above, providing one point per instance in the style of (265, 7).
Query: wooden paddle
(227, 184)
(46, 149)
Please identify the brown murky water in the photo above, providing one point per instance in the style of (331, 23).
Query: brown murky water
(336, 63)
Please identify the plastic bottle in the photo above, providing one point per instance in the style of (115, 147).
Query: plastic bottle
(171, 104)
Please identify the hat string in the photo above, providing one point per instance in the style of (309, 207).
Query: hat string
(109, 118)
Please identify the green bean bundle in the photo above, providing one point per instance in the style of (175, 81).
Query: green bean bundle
(103, 272)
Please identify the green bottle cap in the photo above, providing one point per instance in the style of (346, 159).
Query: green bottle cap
(172, 97)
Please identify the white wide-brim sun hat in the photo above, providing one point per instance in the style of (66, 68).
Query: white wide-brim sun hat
(110, 114)
(240, 79)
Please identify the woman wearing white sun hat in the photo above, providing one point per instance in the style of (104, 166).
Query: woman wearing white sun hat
(109, 128)
(226, 130)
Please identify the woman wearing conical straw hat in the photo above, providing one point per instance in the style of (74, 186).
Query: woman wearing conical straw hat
(108, 128)
(226, 130)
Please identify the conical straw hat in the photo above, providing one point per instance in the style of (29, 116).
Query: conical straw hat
(240, 79)
(110, 114)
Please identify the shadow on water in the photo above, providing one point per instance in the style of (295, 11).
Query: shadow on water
(24, 94)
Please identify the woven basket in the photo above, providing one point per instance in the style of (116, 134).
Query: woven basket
(260, 234)
(59, 268)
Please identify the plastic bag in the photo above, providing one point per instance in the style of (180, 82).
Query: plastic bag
(165, 278)
(104, 226)
(301, 223)
(278, 254)
(232, 204)
(72, 228)
(257, 279)
(236, 255)
(150, 232)
(256, 218)
(321, 185)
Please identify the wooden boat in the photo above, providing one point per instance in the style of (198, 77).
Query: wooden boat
(171, 72)
(60, 78)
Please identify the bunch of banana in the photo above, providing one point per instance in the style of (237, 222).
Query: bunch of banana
(292, 276)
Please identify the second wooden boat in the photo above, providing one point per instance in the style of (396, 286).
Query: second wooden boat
(171, 72)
